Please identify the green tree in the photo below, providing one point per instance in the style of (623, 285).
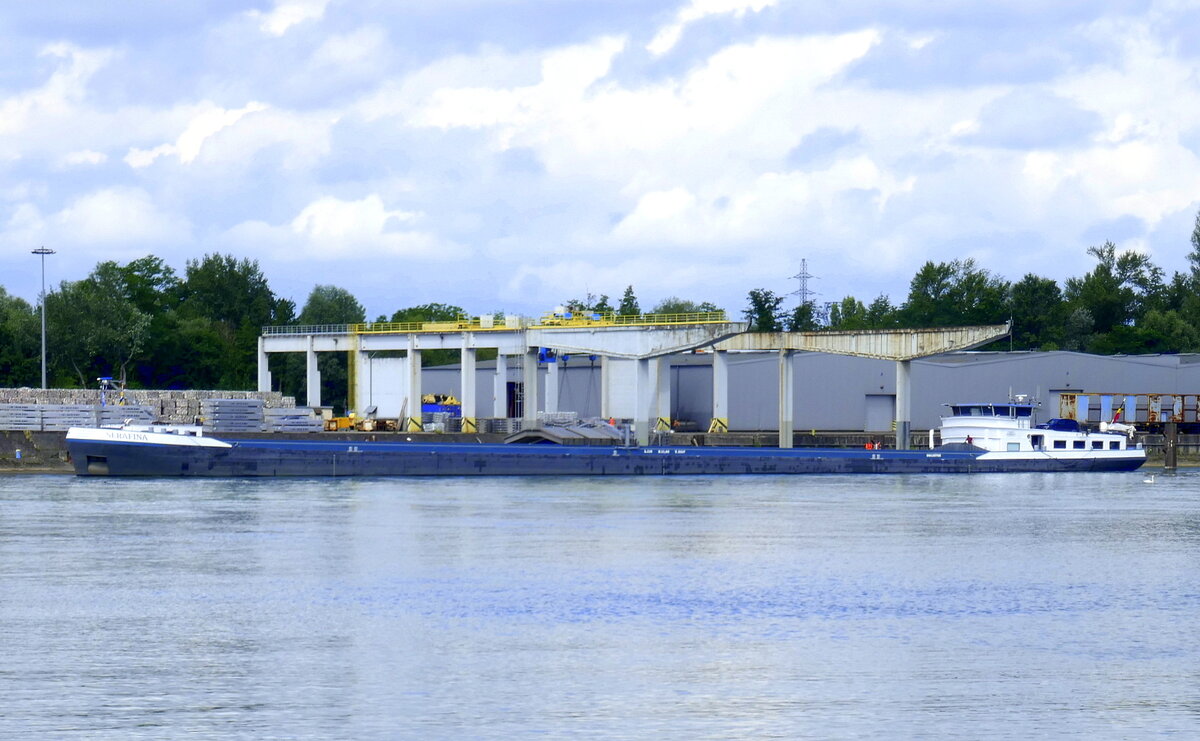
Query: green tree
(235, 296)
(629, 303)
(954, 293)
(436, 313)
(1038, 313)
(590, 302)
(764, 312)
(1194, 256)
(881, 314)
(331, 305)
(328, 304)
(849, 314)
(98, 331)
(20, 342)
(803, 318)
(149, 283)
(1119, 290)
(428, 313)
(676, 305)
(1077, 332)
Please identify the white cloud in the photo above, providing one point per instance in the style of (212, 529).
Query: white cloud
(59, 95)
(288, 13)
(331, 229)
(773, 205)
(206, 123)
(118, 216)
(84, 157)
(748, 99)
(365, 44)
(669, 35)
(111, 223)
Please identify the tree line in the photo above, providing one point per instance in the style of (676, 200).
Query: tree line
(145, 324)
(1124, 305)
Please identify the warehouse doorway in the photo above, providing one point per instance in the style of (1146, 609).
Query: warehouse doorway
(881, 412)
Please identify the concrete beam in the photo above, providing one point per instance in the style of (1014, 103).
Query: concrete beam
(884, 344)
(632, 342)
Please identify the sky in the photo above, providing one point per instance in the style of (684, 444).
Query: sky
(511, 155)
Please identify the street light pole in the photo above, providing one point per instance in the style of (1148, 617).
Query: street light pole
(42, 251)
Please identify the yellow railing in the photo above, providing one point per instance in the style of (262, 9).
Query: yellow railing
(476, 324)
(462, 324)
(595, 319)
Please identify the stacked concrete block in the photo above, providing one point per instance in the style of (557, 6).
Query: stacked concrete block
(298, 419)
(232, 415)
(20, 416)
(61, 417)
(171, 407)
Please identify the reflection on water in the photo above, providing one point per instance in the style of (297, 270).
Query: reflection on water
(1008, 606)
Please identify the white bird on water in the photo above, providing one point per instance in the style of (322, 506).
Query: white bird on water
(1149, 479)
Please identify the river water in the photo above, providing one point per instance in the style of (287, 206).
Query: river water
(994, 606)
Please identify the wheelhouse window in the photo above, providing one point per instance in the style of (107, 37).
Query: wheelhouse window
(1114, 445)
(1078, 445)
(1097, 445)
(1060, 444)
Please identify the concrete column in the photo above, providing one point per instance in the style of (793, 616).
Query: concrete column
(264, 372)
(643, 402)
(500, 388)
(903, 403)
(359, 386)
(551, 406)
(414, 424)
(466, 384)
(605, 380)
(720, 377)
(312, 375)
(529, 377)
(660, 373)
(786, 399)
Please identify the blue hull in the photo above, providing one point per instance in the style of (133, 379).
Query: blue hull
(302, 458)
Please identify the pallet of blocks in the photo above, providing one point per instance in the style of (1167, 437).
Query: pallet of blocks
(232, 415)
(20, 417)
(298, 419)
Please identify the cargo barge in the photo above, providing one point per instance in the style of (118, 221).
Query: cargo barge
(976, 438)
